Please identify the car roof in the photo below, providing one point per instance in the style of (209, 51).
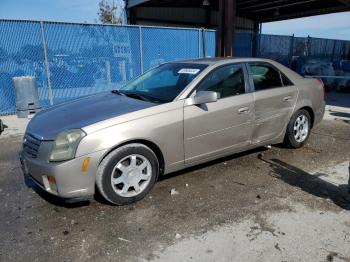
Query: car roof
(215, 60)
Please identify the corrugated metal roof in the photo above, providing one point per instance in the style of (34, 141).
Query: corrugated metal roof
(262, 11)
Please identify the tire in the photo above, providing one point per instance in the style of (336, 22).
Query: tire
(127, 174)
(297, 136)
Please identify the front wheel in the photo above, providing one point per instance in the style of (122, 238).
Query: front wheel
(127, 174)
(298, 129)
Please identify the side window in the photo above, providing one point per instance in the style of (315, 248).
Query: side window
(286, 81)
(226, 81)
(265, 76)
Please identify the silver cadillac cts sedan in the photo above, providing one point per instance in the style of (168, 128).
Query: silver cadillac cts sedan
(174, 116)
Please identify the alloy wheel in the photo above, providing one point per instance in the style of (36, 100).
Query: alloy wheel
(131, 175)
(301, 128)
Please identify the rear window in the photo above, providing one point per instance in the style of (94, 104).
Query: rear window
(286, 81)
(265, 76)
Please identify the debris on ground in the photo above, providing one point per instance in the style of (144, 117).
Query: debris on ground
(277, 247)
(123, 239)
(173, 192)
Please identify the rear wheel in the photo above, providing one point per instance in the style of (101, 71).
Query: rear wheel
(298, 129)
(127, 174)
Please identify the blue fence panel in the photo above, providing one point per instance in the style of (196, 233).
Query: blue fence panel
(244, 44)
(21, 53)
(87, 59)
(161, 45)
(321, 47)
(275, 47)
(300, 46)
(341, 49)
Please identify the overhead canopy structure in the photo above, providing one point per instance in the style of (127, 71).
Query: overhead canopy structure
(227, 15)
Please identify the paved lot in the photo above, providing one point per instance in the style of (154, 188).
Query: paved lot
(263, 205)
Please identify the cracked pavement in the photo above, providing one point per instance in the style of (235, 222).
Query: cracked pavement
(262, 205)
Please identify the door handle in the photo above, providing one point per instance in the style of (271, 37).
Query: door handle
(287, 98)
(243, 110)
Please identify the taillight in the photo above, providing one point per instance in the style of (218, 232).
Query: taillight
(320, 81)
(324, 89)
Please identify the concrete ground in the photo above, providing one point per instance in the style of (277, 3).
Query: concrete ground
(262, 205)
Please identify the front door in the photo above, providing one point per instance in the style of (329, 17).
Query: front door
(220, 127)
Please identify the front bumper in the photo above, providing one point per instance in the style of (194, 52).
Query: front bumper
(63, 179)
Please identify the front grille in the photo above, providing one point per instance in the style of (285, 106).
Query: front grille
(31, 145)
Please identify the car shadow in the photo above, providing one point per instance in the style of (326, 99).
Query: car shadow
(310, 183)
(211, 163)
(340, 114)
(52, 199)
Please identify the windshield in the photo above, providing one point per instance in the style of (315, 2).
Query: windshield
(162, 84)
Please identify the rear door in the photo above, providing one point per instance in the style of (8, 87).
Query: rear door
(216, 128)
(274, 99)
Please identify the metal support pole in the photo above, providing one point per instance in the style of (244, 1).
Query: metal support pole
(141, 52)
(230, 27)
(258, 46)
(47, 68)
(108, 73)
(291, 50)
(308, 52)
(220, 33)
(199, 43)
(204, 38)
(254, 40)
(333, 51)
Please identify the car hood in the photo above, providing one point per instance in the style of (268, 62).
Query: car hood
(47, 124)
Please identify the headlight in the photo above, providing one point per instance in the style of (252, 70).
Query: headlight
(66, 144)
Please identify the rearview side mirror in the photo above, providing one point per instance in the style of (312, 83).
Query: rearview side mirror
(203, 97)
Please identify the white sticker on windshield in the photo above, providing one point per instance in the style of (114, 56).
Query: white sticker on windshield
(191, 71)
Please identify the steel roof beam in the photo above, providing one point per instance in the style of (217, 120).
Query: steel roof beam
(265, 4)
(281, 6)
(320, 11)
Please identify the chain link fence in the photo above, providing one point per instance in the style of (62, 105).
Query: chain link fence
(70, 60)
(284, 48)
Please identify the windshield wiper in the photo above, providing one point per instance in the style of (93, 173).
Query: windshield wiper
(136, 96)
(145, 97)
(132, 95)
(115, 91)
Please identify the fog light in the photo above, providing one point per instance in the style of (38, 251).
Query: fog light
(85, 164)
